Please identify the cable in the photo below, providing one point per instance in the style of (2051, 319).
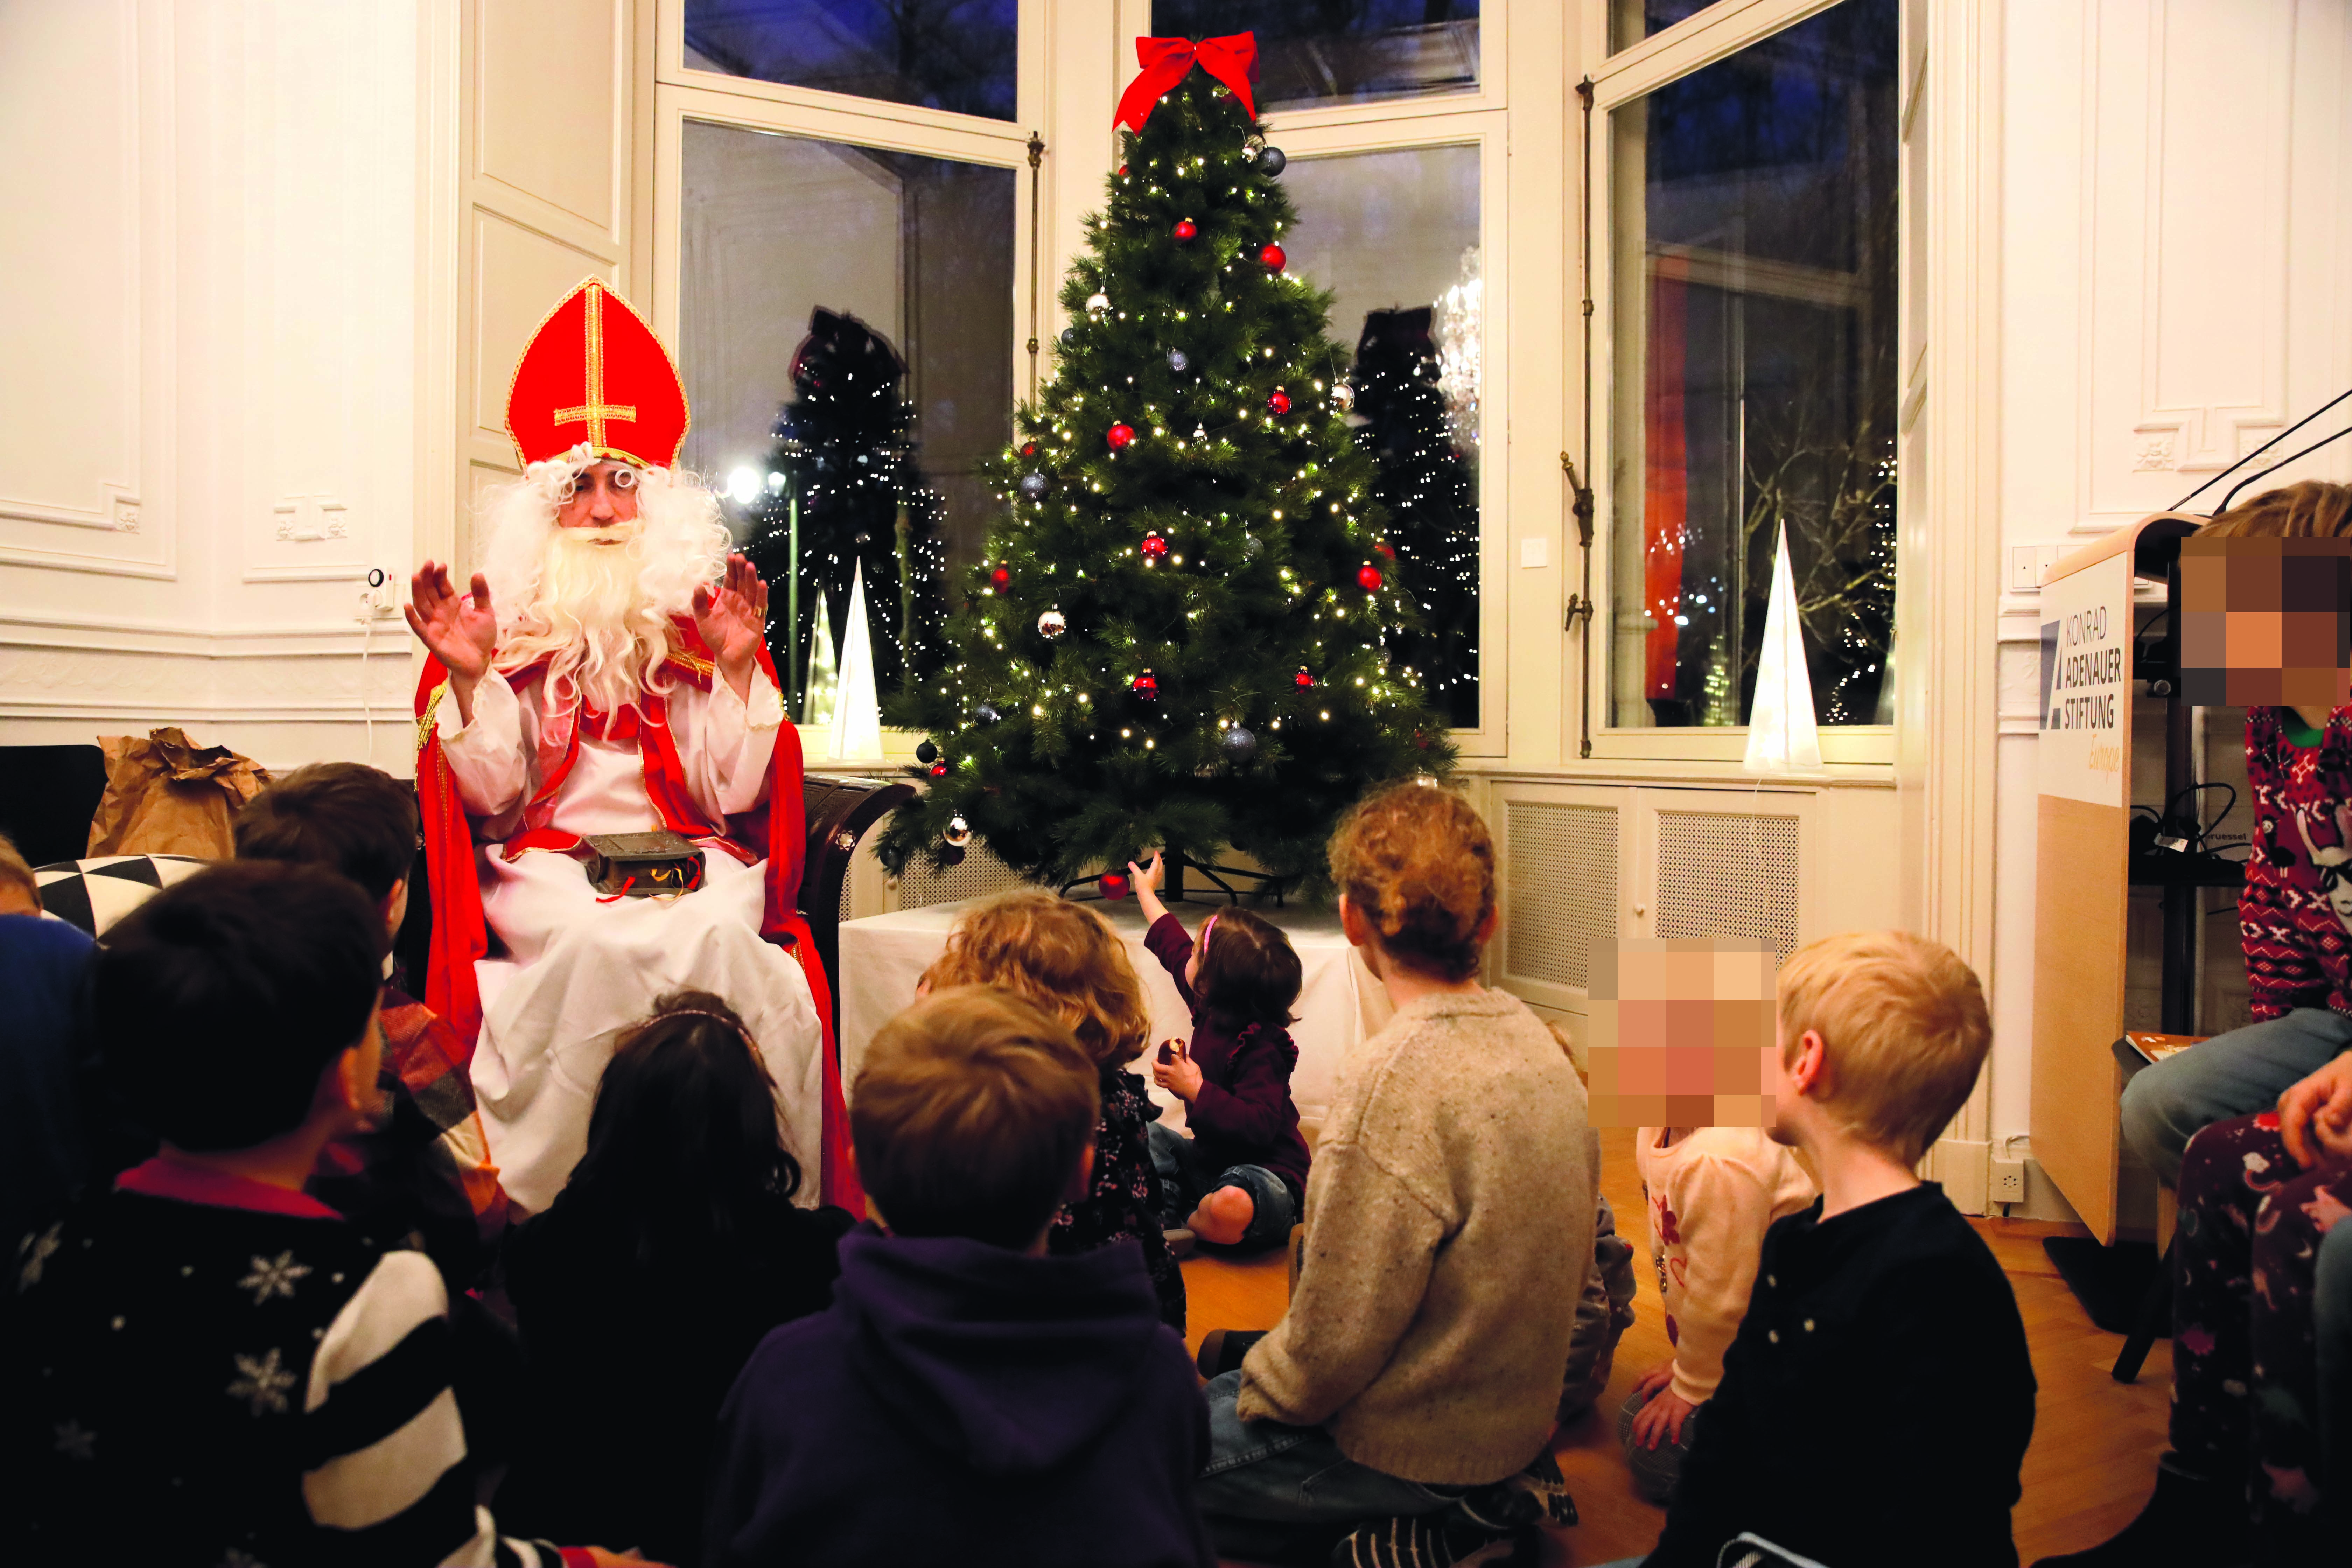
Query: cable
(2282, 463)
(374, 580)
(2258, 451)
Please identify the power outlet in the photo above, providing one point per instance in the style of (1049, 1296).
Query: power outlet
(378, 600)
(2007, 1184)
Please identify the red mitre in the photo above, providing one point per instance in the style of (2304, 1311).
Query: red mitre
(594, 373)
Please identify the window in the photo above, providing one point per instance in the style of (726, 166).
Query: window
(1752, 244)
(955, 54)
(1394, 236)
(1631, 21)
(845, 330)
(1317, 52)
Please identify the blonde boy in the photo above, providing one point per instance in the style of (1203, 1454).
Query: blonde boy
(1877, 1399)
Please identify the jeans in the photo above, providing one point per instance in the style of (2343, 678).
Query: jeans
(1184, 1180)
(1267, 1473)
(2231, 1075)
(1656, 1470)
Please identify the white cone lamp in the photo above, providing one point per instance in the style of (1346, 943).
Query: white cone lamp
(856, 711)
(1782, 736)
(820, 690)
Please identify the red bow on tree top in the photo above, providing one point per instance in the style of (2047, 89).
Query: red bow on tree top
(1165, 60)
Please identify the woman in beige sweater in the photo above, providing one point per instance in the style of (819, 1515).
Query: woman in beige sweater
(1407, 1394)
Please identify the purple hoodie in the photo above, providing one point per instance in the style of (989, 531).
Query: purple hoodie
(965, 1403)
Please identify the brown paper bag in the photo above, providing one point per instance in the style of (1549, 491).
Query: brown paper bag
(167, 796)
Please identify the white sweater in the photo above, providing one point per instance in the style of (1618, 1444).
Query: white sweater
(1710, 1198)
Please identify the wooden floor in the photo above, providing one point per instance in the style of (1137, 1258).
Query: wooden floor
(2094, 1440)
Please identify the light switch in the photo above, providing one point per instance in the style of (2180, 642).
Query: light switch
(1535, 552)
(2021, 569)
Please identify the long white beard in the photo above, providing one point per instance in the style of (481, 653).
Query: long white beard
(589, 616)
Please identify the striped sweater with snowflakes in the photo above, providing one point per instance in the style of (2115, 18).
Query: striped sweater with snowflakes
(198, 1369)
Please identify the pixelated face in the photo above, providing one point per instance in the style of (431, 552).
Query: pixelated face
(2266, 622)
(1682, 1032)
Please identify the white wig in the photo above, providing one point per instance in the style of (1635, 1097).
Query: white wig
(606, 646)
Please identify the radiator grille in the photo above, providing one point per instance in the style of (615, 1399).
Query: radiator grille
(1728, 876)
(1561, 888)
(982, 873)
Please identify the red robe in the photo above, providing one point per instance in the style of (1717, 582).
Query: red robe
(778, 827)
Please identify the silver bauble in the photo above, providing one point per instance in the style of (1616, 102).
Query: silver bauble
(1052, 625)
(1032, 487)
(959, 832)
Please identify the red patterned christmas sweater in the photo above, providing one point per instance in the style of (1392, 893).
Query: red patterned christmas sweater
(2294, 914)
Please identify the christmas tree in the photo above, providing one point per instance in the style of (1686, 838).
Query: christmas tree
(1431, 498)
(845, 490)
(1186, 631)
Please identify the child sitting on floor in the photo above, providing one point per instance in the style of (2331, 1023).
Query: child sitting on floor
(1407, 1396)
(968, 1398)
(422, 1160)
(640, 1293)
(1711, 1194)
(1880, 1329)
(1066, 958)
(1240, 1180)
(205, 1364)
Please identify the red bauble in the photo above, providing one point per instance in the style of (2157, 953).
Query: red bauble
(1153, 547)
(1114, 885)
(938, 770)
(1274, 258)
(1302, 679)
(1146, 686)
(1185, 230)
(1369, 576)
(1029, 448)
(1001, 579)
(1118, 436)
(1279, 401)
(1388, 551)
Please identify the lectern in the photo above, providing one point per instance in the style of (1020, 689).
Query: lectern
(2084, 868)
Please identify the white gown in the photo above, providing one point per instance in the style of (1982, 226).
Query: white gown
(581, 972)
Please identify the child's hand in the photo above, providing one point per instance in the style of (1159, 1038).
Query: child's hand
(1657, 1377)
(1179, 1074)
(1147, 879)
(2313, 1114)
(1662, 1418)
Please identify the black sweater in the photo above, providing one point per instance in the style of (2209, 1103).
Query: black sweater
(625, 1365)
(1876, 1404)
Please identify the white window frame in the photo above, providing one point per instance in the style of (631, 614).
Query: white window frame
(681, 94)
(1697, 41)
(1479, 119)
(1488, 131)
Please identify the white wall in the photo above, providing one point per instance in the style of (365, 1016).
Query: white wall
(2177, 286)
(208, 322)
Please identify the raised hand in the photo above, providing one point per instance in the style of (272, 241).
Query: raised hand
(460, 629)
(733, 617)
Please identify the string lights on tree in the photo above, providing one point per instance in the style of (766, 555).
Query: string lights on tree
(1191, 566)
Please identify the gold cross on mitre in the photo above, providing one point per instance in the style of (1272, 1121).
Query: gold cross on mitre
(595, 410)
